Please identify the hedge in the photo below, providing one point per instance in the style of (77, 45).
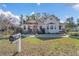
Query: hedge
(73, 33)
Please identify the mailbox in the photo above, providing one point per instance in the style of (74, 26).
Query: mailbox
(17, 39)
(14, 37)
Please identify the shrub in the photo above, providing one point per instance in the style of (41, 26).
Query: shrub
(7, 32)
(73, 33)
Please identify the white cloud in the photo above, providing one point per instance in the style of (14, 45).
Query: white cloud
(12, 15)
(62, 21)
(75, 6)
(7, 14)
(67, 16)
(38, 3)
(32, 12)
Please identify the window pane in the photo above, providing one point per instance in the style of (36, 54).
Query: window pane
(47, 27)
(59, 27)
(51, 27)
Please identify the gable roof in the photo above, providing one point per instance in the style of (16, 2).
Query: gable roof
(33, 19)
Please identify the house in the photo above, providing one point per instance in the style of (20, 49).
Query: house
(50, 24)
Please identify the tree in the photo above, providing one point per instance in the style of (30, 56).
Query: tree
(21, 19)
(5, 22)
(78, 22)
(33, 17)
(45, 15)
(27, 18)
(69, 24)
(37, 16)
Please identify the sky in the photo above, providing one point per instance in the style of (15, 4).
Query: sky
(61, 10)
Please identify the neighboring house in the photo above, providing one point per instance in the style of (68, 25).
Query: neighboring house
(50, 24)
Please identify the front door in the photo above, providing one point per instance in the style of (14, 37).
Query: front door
(34, 30)
(29, 30)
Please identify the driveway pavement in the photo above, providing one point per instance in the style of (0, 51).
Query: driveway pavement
(46, 35)
(39, 35)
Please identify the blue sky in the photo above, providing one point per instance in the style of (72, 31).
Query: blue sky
(61, 10)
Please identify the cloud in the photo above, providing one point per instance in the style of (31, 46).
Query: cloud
(9, 15)
(32, 12)
(38, 3)
(67, 16)
(62, 21)
(12, 15)
(75, 6)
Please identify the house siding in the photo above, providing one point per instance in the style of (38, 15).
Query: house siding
(50, 25)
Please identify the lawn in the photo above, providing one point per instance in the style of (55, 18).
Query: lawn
(38, 46)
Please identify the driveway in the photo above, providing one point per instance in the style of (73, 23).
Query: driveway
(46, 35)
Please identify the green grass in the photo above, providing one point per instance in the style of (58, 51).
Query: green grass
(59, 42)
(32, 40)
(36, 46)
